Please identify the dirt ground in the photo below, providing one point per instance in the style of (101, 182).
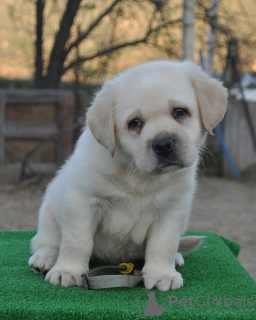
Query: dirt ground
(226, 207)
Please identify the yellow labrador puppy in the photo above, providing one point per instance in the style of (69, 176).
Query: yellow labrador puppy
(126, 191)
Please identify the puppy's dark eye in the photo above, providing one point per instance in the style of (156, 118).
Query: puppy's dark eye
(180, 113)
(135, 124)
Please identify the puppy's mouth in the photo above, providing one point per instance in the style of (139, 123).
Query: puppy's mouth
(169, 165)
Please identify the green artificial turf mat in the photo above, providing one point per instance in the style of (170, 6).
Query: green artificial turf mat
(213, 279)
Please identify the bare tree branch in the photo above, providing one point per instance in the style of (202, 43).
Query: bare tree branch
(63, 45)
(84, 34)
(121, 45)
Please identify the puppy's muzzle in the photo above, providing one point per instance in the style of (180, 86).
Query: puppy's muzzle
(165, 150)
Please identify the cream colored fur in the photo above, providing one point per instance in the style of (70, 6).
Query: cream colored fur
(110, 199)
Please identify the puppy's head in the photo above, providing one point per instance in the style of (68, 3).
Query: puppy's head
(156, 115)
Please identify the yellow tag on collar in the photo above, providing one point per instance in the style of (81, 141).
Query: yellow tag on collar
(129, 267)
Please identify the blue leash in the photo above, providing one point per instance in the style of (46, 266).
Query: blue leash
(221, 139)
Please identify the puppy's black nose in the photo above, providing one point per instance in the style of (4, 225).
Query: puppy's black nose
(163, 146)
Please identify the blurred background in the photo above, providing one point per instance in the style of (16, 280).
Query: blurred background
(54, 55)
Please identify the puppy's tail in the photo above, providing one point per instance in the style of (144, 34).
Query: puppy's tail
(189, 243)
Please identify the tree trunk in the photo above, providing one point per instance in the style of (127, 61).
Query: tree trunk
(230, 74)
(39, 43)
(188, 29)
(212, 34)
(58, 54)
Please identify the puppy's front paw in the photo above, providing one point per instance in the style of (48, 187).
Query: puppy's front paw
(43, 260)
(64, 277)
(163, 281)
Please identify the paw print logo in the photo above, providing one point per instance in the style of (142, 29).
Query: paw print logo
(216, 301)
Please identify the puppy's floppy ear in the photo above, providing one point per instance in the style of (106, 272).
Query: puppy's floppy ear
(100, 117)
(211, 97)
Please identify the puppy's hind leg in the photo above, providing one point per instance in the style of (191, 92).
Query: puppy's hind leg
(45, 244)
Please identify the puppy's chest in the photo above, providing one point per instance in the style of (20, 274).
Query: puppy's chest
(129, 216)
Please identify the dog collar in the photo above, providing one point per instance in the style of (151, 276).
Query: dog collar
(92, 281)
